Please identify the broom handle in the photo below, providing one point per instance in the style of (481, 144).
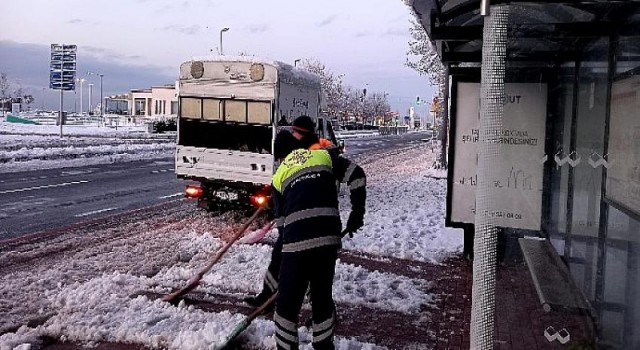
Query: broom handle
(259, 310)
(233, 240)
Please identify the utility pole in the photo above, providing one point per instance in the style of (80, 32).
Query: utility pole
(101, 97)
(81, 81)
(90, 98)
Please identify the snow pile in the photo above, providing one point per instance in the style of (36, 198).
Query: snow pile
(102, 310)
(75, 130)
(86, 286)
(405, 210)
(243, 267)
(30, 147)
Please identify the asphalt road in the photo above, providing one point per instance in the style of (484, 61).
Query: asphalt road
(356, 147)
(40, 200)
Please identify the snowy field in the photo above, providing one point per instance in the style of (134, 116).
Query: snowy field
(31, 147)
(85, 286)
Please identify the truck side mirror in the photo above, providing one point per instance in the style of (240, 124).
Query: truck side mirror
(341, 146)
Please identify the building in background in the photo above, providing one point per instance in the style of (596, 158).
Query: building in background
(117, 104)
(142, 105)
(157, 101)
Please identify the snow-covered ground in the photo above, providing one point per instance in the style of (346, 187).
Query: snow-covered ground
(405, 209)
(85, 285)
(30, 147)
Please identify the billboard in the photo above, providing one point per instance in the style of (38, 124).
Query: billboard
(62, 70)
(517, 181)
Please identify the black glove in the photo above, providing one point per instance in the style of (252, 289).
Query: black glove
(354, 223)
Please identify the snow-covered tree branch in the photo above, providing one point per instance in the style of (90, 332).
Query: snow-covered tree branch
(344, 102)
(423, 57)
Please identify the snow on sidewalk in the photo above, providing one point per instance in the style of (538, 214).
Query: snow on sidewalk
(243, 269)
(405, 210)
(88, 292)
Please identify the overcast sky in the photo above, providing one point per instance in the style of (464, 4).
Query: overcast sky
(137, 43)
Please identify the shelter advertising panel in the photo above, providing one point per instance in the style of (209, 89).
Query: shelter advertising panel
(518, 178)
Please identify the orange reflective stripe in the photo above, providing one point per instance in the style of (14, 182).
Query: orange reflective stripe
(324, 143)
(321, 144)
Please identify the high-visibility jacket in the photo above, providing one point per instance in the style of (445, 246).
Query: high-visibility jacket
(305, 197)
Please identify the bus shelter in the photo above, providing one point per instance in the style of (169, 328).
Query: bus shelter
(544, 146)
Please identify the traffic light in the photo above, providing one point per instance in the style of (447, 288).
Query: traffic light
(417, 100)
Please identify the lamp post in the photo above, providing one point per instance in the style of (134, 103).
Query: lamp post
(81, 81)
(101, 98)
(295, 63)
(90, 98)
(222, 31)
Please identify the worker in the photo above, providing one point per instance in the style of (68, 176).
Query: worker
(305, 199)
(305, 137)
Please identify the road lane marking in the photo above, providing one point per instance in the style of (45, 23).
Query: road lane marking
(94, 212)
(44, 186)
(161, 171)
(171, 195)
(76, 172)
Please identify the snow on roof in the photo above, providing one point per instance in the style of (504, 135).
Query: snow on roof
(285, 70)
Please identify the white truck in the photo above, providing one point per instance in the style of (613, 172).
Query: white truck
(230, 109)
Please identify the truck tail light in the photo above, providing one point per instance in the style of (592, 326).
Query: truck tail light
(261, 197)
(259, 200)
(193, 191)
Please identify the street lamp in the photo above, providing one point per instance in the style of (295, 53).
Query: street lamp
(101, 101)
(222, 31)
(81, 81)
(295, 63)
(90, 98)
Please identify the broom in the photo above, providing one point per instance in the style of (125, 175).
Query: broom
(244, 324)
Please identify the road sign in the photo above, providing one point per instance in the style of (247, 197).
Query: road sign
(62, 71)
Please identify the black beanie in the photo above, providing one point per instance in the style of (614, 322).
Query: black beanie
(284, 144)
(304, 125)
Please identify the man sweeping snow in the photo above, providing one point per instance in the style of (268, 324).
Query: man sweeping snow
(305, 198)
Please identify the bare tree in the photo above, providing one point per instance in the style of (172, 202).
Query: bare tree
(344, 102)
(423, 57)
(28, 100)
(376, 106)
(5, 86)
(332, 85)
(18, 93)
